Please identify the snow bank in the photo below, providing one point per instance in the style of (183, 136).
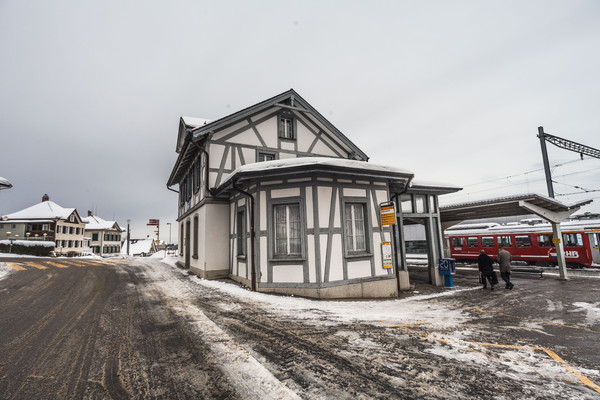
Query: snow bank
(28, 243)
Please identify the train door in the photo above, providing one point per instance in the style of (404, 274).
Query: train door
(594, 246)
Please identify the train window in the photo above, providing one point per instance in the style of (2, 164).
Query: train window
(523, 241)
(505, 241)
(572, 239)
(458, 242)
(472, 242)
(545, 240)
(487, 241)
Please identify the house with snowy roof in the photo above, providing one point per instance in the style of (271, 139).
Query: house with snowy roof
(140, 247)
(47, 221)
(104, 236)
(275, 197)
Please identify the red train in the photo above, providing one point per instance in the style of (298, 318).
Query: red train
(529, 240)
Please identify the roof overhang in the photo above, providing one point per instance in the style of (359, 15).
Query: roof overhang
(313, 165)
(543, 206)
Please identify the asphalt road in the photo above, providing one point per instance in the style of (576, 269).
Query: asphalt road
(74, 329)
(81, 329)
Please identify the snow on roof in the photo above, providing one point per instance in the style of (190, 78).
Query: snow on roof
(195, 122)
(93, 222)
(307, 161)
(139, 246)
(4, 183)
(44, 210)
(422, 183)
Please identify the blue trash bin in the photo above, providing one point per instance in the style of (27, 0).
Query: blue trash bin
(447, 267)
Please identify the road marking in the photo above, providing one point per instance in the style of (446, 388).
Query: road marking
(584, 379)
(427, 336)
(36, 265)
(55, 264)
(14, 266)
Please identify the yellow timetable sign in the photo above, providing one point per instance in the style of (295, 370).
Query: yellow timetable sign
(388, 214)
(556, 240)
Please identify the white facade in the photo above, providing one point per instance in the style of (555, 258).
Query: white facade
(281, 170)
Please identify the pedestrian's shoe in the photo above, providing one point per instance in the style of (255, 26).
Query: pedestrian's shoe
(485, 287)
(492, 287)
(511, 286)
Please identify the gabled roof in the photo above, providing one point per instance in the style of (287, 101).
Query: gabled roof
(44, 210)
(93, 222)
(288, 99)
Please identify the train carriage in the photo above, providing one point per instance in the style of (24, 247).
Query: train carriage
(530, 241)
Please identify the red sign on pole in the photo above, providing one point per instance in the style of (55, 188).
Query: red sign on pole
(153, 222)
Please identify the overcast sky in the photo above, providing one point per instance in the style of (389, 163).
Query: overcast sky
(91, 91)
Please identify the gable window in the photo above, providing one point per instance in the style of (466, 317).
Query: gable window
(72, 218)
(355, 227)
(240, 227)
(288, 240)
(264, 156)
(286, 127)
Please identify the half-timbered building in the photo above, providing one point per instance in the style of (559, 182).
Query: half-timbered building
(277, 198)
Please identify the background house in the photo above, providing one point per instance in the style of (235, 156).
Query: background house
(104, 236)
(47, 221)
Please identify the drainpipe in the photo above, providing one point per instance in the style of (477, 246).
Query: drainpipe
(252, 235)
(396, 234)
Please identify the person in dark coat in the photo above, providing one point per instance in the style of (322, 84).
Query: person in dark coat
(486, 269)
(504, 259)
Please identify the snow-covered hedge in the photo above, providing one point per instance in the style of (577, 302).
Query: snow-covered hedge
(29, 247)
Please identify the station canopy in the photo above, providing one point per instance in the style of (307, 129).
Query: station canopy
(545, 207)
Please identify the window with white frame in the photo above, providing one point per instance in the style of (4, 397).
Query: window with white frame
(45, 227)
(286, 127)
(265, 156)
(355, 228)
(288, 231)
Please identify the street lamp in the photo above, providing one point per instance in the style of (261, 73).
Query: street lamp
(128, 222)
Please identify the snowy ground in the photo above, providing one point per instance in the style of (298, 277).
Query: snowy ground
(425, 345)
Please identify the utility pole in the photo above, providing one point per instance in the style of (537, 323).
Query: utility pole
(542, 137)
(567, 145)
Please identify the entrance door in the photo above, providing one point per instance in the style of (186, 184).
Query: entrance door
(594, 246)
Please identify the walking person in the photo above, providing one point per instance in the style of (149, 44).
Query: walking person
(504, 259)
(486, 270)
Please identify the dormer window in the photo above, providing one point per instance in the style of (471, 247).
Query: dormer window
(286, 127)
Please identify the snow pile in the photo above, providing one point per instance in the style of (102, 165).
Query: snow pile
(28, 243)
(4, 271)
